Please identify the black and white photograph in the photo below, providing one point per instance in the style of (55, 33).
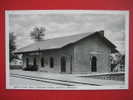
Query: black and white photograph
(67, 49)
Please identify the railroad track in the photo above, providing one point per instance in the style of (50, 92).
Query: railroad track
(52, 81)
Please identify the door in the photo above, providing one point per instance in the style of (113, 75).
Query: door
(94, 64)
(63, 64)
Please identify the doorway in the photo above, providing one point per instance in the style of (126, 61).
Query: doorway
(63, 64)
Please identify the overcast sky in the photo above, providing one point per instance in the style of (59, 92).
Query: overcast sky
(61, 24)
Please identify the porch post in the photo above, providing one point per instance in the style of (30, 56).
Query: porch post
(70, 64)
(39, 59)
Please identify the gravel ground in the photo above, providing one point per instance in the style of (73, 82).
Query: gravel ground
(59, 81)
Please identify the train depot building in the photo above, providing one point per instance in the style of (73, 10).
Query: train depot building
(80, 53)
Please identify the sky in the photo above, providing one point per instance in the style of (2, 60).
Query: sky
(64, 24)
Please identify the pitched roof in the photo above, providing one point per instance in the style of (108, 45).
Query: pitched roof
(57, 43)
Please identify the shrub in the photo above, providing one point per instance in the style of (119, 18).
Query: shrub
(31, 68)
(15, 67)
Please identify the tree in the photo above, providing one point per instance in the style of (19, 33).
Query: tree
(116, 59)
(37, 33)
(12, 46)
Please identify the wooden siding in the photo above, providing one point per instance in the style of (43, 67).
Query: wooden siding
(85, 49)
(56, 54)
(81, 53)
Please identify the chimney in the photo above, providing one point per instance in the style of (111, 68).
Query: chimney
(101, 32)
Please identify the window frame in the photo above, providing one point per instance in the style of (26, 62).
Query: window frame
(51, 62)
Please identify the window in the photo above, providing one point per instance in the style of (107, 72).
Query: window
(51, 62)
(27, 62)
(42, 62)
(94, 64)
(34, 61)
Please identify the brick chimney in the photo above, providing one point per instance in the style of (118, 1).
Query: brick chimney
(101, 32)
